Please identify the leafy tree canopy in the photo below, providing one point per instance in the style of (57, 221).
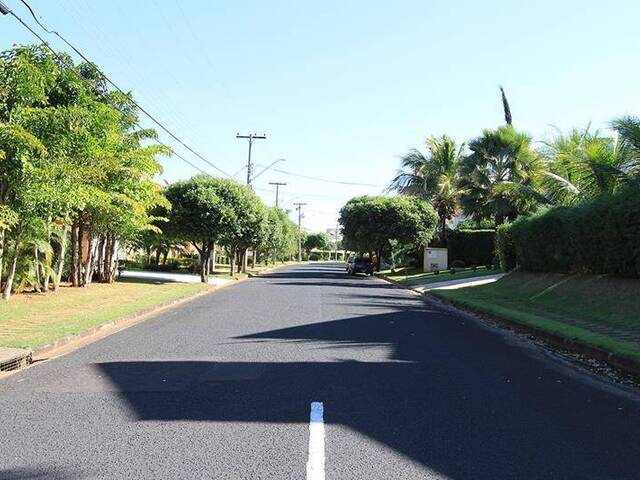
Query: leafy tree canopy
(370, 223)
(319, 240)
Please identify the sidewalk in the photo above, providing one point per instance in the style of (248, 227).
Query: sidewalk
(172, 277)
(461, 283)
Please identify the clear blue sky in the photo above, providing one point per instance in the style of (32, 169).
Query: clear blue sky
(343, 88)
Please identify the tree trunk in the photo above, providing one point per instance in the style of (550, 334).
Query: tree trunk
(108, 259)
(212, 261)
(232, 260)
(46, 279)
(378, 260)
(204, 260)
(75, 270)
(165, 253)
(6, 294)
(100, 257)
(158, 253)
(1, 254)
(36, 268)
(61, 254)
(244, 260)
(253, 259)
(88, 268)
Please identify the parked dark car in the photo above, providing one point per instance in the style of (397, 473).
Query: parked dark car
(360, 265)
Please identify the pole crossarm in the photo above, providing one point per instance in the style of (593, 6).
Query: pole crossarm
(251, 137)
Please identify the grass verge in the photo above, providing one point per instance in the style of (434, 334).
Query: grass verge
(599, 311)
(32, 320)
(411, 276)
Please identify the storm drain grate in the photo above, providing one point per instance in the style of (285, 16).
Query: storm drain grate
(14, 359)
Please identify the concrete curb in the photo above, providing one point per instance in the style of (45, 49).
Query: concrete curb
(620, 362)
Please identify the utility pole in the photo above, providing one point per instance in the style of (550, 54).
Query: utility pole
(299, 208)
(251, 137)
(277, 184)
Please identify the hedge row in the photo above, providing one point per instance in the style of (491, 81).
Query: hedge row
(601, 237)
(473, 247)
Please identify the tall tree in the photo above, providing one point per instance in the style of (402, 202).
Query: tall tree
(248, 226)
(500, 178)
(505, 106)
(24, 192)
(319, 240)
(433, 177)
(583, 164)
(372, 224)
(281, 238)
(199, 215)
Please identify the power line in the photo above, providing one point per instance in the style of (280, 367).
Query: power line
(140, 107)
(326, 180)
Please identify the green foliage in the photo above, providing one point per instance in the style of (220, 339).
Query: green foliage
(433, 177)
(281, 239)
(370, 223)
(601, 236)
(69, 153)
(198, 212)
(207, 210)
(582, 165)
(474, 224)
(505, 248)
(472, 247)
(319, 240)
(500, 177)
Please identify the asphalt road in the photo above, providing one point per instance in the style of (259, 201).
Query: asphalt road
(221, 388)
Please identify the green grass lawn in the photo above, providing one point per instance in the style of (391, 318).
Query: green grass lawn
(597, 310)
(31, 320)
(413, 276)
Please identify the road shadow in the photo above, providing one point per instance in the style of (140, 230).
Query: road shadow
(449, 396)
(33, 473)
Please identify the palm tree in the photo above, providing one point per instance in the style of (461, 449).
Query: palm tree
(432, 177)
(583, 165)
(499, 178)
(628, 129)
(505, 106)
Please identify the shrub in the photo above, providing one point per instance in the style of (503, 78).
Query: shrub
(458, 264)
(505, 248)
(601, 237)
(314, 257)
(471, 247)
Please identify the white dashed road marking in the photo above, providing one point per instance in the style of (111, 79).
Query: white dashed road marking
(315, 464)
